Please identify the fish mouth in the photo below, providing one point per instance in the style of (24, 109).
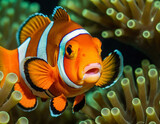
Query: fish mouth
(92, 73)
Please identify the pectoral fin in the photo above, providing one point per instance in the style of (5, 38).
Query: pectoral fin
(112, 69)
(58, 105)
(39, 74)
(79, 102)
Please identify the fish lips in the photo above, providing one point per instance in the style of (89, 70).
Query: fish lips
(92, 73)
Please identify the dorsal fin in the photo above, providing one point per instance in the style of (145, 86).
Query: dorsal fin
(60, 14)
(31, 25)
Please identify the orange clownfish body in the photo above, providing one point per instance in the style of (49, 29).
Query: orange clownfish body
(58, 59)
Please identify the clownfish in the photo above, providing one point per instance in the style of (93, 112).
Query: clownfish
(57, 60)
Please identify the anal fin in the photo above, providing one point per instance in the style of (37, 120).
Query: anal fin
(29, 101)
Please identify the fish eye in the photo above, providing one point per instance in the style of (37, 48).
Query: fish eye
(71, 50)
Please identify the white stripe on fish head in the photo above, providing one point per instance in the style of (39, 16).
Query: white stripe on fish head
(62, 45)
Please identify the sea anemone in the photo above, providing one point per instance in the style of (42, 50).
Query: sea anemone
(41, 115)
(16, 96)
(133, 22)
(10, 113)
(7, 102)
(5, 118)
(12, 14)
(134, 99)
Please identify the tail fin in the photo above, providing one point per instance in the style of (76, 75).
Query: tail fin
(8, 62)
(3, 56)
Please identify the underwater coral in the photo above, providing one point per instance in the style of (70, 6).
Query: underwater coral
(10, 113)
(7, 103)
(133, 22)
(41, 115)
(134, 99)
(12, 14)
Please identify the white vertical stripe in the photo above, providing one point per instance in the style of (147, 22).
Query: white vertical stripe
(62, 45)
(22, 49)
(42, 46)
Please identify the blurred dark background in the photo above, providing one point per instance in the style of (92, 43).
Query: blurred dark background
(46, 6)
(131, 55)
